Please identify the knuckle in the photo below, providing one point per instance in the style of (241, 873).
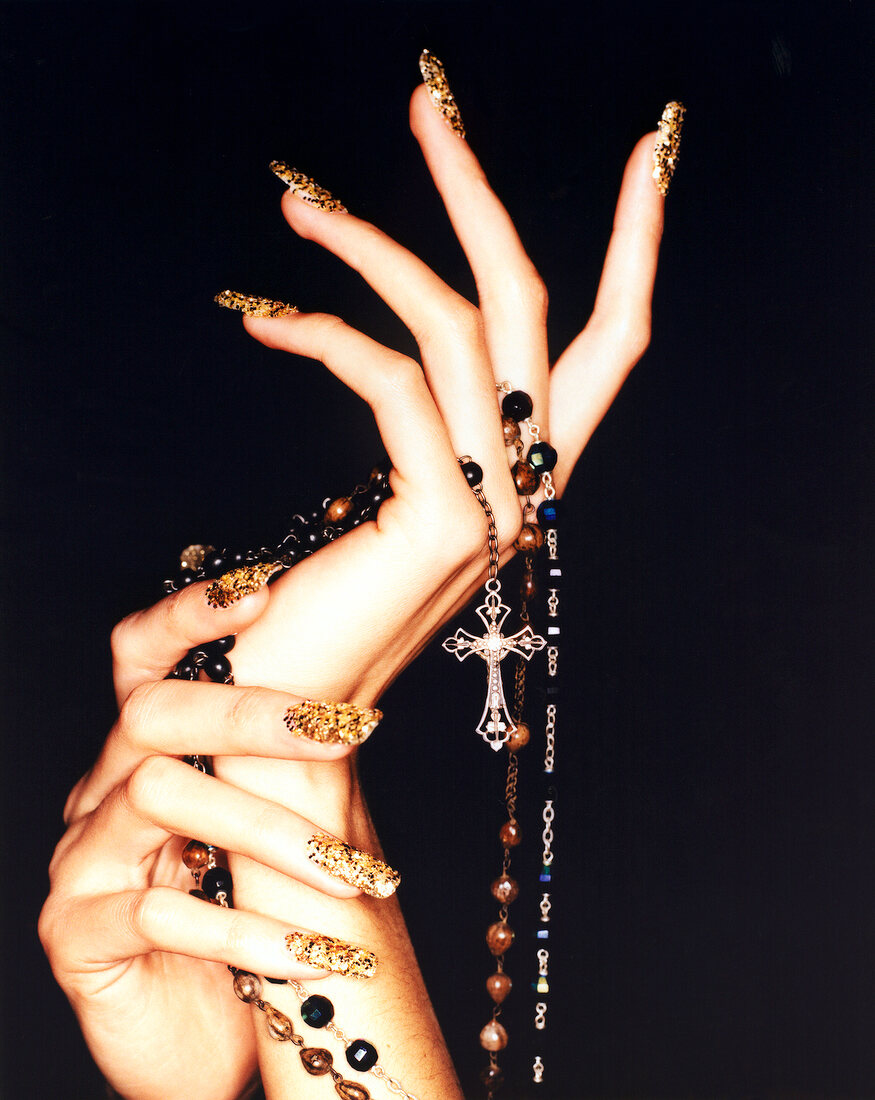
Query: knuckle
(525, 293)
(245, 711)
(401, 374)
(138, 711)
(237, 937)
(146, 913)
(143, 788)
(121, 640)
(458, 326)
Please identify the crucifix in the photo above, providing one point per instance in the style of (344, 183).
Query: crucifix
(496, 724)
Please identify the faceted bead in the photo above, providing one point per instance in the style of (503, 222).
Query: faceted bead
(530, 538)
(505, 889)
(499, 937)
(517, 404)
(492, 1078)
(541, 457)
(247, 986)
(338, 510)
(511, 430)
(498, 985)
(195, 855)
(510, 834)
(217, 881)
(546, 874)
(473, 473)
(317, 1011)
(548, 513)
(279, 1026)
(351, 1090)
(361, 1054)
(541, 985)
(493, 1036)
(317, 1060)
(525, 478)
(519, 738)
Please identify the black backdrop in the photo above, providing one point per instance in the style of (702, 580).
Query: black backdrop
(714, 929)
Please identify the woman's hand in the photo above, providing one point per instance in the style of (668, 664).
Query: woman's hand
(143, 963)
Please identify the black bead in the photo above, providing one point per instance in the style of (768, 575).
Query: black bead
(313, 539)
(213, 564)
(224, 645)
(377, 495)
(217, 667)
(361, 1054)
(542, 457)
(473, 473)
(217, 881)
(234, 559)
(184, 578)
(548, 513)
(517, 404)
(186, 669)
(317, 1011)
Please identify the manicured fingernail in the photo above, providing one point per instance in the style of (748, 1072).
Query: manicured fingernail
(305, 188)
(253, 306)
(668, 142)
(435, 80)
(232, 587)
(327, 953)
(332, 723)
(353, 866)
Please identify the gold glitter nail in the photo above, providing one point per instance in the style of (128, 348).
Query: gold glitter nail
(668, 142)
(232, 587)
(306, 189)
(435, 80)
(353, 866)
(332, 723)
(253, 306)
(327, 953)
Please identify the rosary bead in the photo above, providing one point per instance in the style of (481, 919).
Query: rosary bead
(184, 578)
(493, 1036)
(279, 1026)
(548, 513)
(199, 894)
(528, 589)
(351, 1090)
(530, 538)
(224, 645)
(338, 510)
(511, 430)
(499, 937)
(473, 473)
(361, 1054)
(247, 986)
(518, 739)
(195, 855)
(525, 479)
(377, 495)
(510, 834)
(542, 457)
(317, 1060)
(217, 667)
(505, 889)
(498, 985)
(214, 564)
(517, 404)
(313, 539)
(492, 1077)
(217, 881)
(317, 1011)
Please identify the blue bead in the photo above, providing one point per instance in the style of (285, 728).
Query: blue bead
(317, 1011)
(361, 1054)
(543, 934)
(548, 513)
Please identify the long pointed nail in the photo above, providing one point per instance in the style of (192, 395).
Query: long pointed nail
(231, 587)
(435, 79)
(327, 953)
(668, 143)
(306, 189)
(253, 306)
(332, 723)
(351, 865)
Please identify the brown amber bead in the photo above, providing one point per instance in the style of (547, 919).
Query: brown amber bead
(317, 1061)
(338, 510)
(525, 479)
(492, 1078)
(510, 834)
(247, 986)
(528, 589)
(530, 538)
(499, 937)
(352, 1090)
(511, 430)
(493, 1036)
(519, 738)
(505, 889)
(195, 855)
(498, 985)
(279, 1026)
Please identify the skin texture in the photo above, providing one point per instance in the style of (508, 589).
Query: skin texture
(150, 986)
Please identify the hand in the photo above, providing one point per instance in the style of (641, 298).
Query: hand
(143, 963)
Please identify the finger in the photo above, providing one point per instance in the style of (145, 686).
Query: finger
(591, 371)
(183, 718)
(164, 798)
(512, 296)
(148, 644)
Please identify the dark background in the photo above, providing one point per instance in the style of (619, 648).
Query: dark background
(714, 930)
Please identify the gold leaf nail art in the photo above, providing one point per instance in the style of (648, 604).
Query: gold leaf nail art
(332, 723)
(353, 866)
(668, 142)
(253, 306)
(435, 79)
(306, 189)
(232, 587)
(327, 953)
